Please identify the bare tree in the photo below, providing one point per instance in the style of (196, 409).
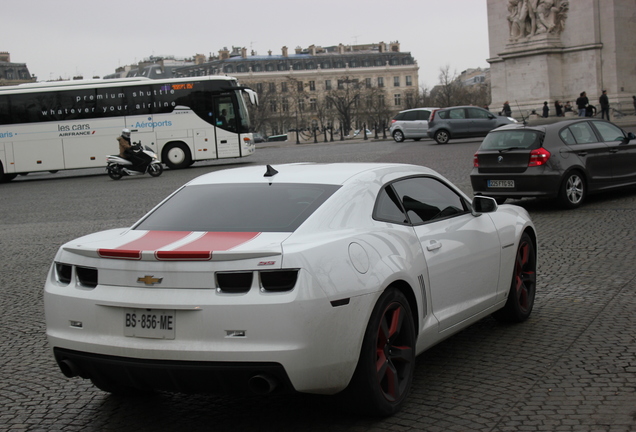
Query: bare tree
(345, 99)
(449, 92)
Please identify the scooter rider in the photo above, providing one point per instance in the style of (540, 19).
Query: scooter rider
(139, 160)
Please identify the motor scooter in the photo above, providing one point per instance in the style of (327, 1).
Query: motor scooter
(144, 161)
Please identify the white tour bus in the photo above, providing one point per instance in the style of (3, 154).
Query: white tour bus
(74, 124)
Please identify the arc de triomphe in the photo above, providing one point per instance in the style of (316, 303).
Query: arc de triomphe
(548, 50)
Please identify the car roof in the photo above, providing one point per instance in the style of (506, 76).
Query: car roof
(318, 173)
(548, 127)
(461, 106)
(419, 109)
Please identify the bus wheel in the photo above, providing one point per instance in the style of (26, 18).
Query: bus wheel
(5, 177)
(176, 156)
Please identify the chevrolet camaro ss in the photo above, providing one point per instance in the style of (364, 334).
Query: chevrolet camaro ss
(314, 278)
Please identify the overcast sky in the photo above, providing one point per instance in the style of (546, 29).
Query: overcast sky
(65, 38)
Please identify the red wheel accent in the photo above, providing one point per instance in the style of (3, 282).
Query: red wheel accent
(393, 354)
(525, 276)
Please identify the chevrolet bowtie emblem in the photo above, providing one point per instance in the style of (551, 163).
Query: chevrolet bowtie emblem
(149, 280)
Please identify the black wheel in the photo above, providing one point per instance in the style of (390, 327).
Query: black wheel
(398, 136)
(155, 169)
(441, 136)
(573, 190)
(114, 172)
(384, 374)
(177, 156)
(523, 286)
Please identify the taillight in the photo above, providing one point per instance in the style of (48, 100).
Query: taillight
(476, 161)
(393, 121)
(538, 157)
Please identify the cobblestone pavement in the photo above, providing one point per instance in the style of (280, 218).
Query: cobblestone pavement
(571, 367)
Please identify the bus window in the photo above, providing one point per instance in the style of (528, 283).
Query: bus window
(224, 113)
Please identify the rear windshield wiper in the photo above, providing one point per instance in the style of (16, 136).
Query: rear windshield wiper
(511, 148)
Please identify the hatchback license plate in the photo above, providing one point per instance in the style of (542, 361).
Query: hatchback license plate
(148, 323)
(501, 183)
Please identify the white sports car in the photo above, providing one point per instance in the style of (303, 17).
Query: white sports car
(316, 278)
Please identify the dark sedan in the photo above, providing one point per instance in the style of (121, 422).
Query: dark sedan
(565, 160)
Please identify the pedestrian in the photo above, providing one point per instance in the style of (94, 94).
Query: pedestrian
(568, 107)
(590, 110)
(506, 110)
(559, 108)
(546, 109)
(581, 104)
(604, 101)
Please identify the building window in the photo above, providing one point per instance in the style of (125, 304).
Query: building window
(312, 85)
(272, 106)
(301, 104)
(285, 105)
(259, 88)
(396, 81)
(340, 84)
(272, 87)
(301, 87)
(283, 87)
(367, 82)
(380, 82)
(409, 81)
(313, 105)
(327, 84)
(409, 99)
(381, 100)
(397, 98)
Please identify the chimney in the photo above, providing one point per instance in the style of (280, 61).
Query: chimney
(244, 52)
(224, 54)
(285, 52)
(5, 56)
(312, 50)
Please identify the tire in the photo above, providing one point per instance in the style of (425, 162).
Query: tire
(398, 136)
(389, 341)
(114, 172)
(155, 169)
(442, 136)
(573, 190)
(176, 156)
(523, 286)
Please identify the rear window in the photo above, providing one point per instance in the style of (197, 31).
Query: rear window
(512, 139)
(238, 208)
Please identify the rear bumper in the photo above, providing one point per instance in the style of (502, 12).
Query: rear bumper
(544, 185)
(231, 378)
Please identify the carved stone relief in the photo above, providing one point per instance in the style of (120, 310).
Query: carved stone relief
(527, 18)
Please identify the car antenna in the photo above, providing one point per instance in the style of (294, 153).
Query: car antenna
(271, 172)
(525, 122)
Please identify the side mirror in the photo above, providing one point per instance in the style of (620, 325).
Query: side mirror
(483, 204)
(631, 136)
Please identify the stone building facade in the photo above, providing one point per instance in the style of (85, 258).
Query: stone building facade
(290, 82)
(548, 50)
(13, 73)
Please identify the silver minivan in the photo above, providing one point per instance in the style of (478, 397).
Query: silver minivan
(410, 124)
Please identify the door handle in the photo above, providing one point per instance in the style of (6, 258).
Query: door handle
(614, 150)
(582, 153)
(433, 245)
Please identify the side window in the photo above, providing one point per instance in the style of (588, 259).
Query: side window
(410, 115)
(457, 113)
(423, 114)
(387, 207)
(583, 133)
(567, 137)
(224, 113)
(609, 132)
(426, 199)
(477, 113)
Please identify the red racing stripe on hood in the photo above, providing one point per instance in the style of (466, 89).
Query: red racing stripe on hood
(150, 241)
(202, 248)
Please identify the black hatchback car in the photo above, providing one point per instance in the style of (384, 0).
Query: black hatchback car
(564, 160)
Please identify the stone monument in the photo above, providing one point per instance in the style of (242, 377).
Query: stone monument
(549, 50)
